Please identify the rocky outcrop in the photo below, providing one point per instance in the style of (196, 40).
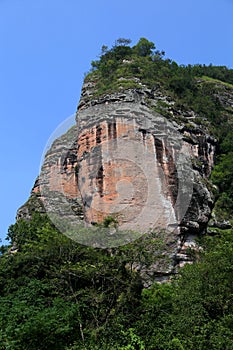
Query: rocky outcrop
(123, 159)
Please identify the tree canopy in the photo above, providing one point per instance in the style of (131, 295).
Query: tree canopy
(57, 294)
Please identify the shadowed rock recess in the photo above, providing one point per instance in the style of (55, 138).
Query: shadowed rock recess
(125, 160)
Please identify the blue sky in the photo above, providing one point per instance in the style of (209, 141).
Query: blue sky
(46, 46)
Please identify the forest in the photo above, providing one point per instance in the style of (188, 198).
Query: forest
(56, 294)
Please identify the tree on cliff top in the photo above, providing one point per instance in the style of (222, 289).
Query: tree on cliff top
(144, 48)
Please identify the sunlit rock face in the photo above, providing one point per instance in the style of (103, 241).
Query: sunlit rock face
(125, 170)
(117, 165)
(122, 159)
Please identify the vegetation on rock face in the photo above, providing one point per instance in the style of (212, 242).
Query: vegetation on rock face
(56, 294)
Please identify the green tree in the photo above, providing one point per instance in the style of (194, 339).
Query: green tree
(144, 48)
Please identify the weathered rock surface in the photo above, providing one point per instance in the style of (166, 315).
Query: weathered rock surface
(123, 159)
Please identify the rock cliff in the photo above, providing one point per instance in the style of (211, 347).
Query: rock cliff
(125, 160)
(138, 160)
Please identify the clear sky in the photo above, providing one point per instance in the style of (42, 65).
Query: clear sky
(46, 46)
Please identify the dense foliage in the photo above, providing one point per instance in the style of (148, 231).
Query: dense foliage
(57, 294)
(143, 61)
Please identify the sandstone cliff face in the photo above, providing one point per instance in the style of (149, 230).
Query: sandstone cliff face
(125, 160)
